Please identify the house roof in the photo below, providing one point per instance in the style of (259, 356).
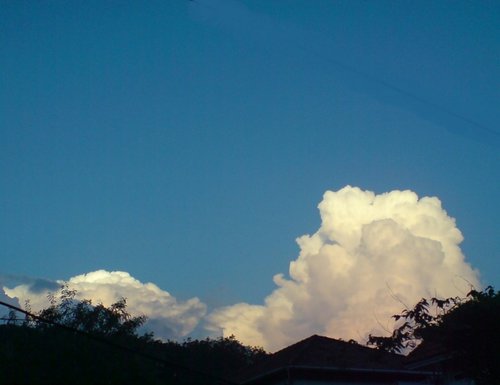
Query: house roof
(424, 351)
(323, 353)
(425, 354)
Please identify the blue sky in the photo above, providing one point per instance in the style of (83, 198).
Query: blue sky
(190, 142)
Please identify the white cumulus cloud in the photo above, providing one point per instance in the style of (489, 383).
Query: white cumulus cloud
(168, 318)
(371, 254)
(4, 310)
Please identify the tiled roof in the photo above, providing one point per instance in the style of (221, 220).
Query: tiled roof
(323, 352)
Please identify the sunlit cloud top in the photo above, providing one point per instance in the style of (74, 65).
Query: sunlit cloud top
(371, 254)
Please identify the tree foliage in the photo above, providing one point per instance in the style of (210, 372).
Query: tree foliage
(469, 328)
(82, 343)
(82, 315)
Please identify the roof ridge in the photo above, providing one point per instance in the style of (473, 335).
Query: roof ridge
(305, 345)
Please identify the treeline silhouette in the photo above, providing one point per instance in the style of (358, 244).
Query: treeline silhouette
(76, 342)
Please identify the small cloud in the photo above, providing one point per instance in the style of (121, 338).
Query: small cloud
(168, 318)
(4, 310)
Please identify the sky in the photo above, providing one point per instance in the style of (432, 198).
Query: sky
(238, 167)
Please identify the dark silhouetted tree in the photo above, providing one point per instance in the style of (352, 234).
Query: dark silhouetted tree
(468, 328)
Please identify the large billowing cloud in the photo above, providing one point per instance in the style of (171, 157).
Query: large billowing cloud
(168, 318)
(371, 254)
